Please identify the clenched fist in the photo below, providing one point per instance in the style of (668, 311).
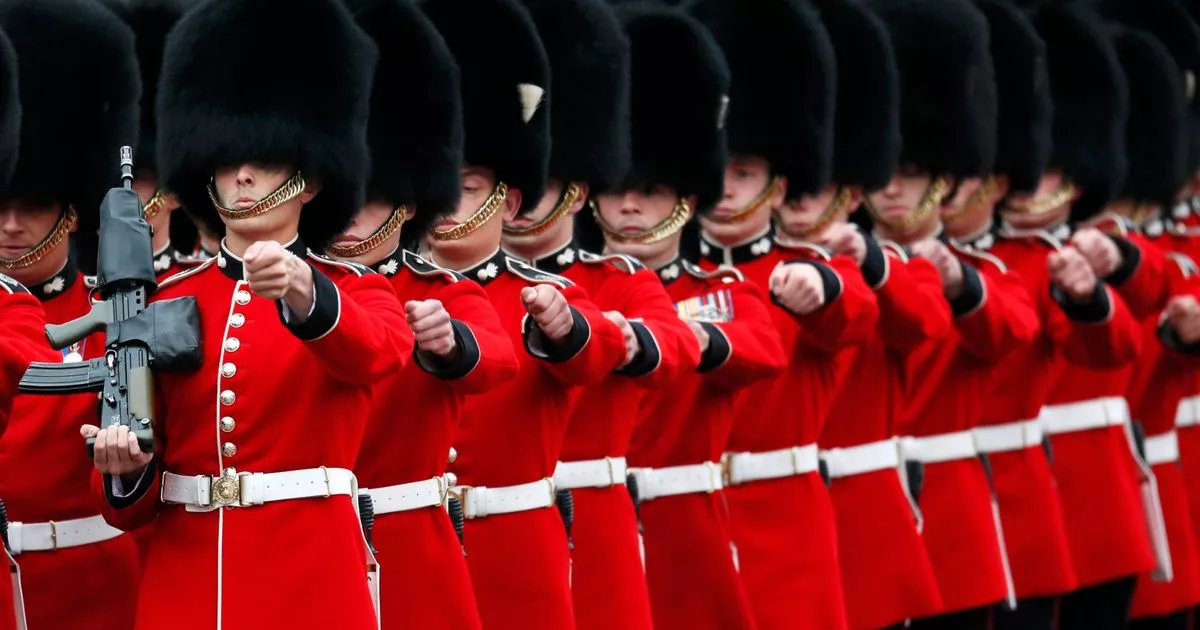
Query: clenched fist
(117, 452)
(947, 264)
(631, 340)
(549, 310)
(1070, 272)
(431, 326)
(844, 239)
(701, 335)
(1183, 313)
(1098, 249)
(798, 287)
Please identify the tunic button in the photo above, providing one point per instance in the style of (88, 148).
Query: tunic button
(236, 320)
(221, 261)
(228, 398)
(242, 297)
(232, 344)
(453, 455)
(229, 449)
(227, 424)
(228, 370)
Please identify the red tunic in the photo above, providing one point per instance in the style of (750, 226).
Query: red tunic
(691, 567)
(415, 414)
(784, 528)
(947, 386)
(886, 573)
(281, 398)
(608, 581)
(513, 435)
(46, 429)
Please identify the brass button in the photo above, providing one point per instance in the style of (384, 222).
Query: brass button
(229, 449)
(242, 297)
(228, 398)
(451, 479)
(228, 370)
(232, 344)
(236, 320)
(227, 424)
(453, 455)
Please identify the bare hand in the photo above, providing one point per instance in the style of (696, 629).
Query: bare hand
(701, 334)
(1183, 312)
(549, 310)
(117, 452)
(798, 287)
(631, 340)
(431, 326)
(844, 239)
(947, 264)
(1098, 249)
(1070, 272)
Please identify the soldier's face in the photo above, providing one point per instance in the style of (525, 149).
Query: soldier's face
(746, 178)
(797, 218)
(901, 196)
(559, 233)
(23, 226)
(477, 186)
(367, 222)
(635, 211)
(1050, 183)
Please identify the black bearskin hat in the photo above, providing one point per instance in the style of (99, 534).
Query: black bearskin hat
(239, 85)
(505, 89)
(1091, 104)
(589, 64)
(1155, 142)
(10, 113)
(948, 91)
(1023, 93)
(781, 102)
(416, 126)
(79, 90)
(866, 138)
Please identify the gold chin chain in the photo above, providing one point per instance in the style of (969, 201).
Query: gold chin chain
(1044, 204)
(155, 205)
(481, 216)
(751, 209)
(385, 231)
(1143, 212)
(569, 197)
(669, 226)
(979, 199)
(66, 222)
(836, 206)
(288, 191)
(930, 202)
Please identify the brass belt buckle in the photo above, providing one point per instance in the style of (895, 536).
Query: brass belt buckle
(226, 489)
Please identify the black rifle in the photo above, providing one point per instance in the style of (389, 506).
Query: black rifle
(139, 337)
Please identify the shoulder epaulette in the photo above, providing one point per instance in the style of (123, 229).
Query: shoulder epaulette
(974, 255)
(423, 267)
(534, 275)
(896, 250)
(352, 267)
(1186, 264)
(176, 277)
(625, 263)
(10, 285)
(724, 273)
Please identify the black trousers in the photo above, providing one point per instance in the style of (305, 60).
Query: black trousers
(1175, 621)
(972, 619)
(1034, 613)
(1101, 607)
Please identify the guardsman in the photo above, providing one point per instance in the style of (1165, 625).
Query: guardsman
(511, 437)
(886, 574)
(948, 124)
(780, 130)
(589, 63)
(249, 486)
(415, 133)
(680, 93)
(78, 105)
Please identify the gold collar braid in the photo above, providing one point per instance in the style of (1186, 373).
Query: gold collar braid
(288, 191)
(670, 225)
(385, 231)
(481, 216)
(930, 202)
(1045, 203)
(750, 209)
(982, 196)
(569, 197)
(66, 222)
(836, 206)
(157, 202)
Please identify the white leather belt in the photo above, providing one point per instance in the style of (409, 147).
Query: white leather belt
(481, 501)
(861, 459)
(592, 473)
(654, 483)
(1085, 416)
(1188, 412)
(788, 462)
(935, 449)
(54, 535)
(202, 493)
(408, 496)
(1012, 436)
(1162, 449)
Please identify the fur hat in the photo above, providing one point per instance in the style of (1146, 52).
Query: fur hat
(256, 81)
(505, 89)
(10, 112)
(866, 138)
(781, 102)
(948, 91)
(416, 126)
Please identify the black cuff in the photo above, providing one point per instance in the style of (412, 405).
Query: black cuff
(1131, 257)
(1096, 310)
(539, 345)
(449, 370)
(972, 292)
(134, 494)
(718, 351)
(648, 357)
(1170, 339)
(326, 310)
(875, 264)
(829, 279)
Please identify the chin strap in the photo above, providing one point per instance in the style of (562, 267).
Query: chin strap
(288, 191)
(930, 202)
(568, 199)
(481, 216)
(667, 227)
(385, 231)
(67, 221)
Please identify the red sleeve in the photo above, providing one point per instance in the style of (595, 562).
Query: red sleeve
(1102, 335)
(1143, 279)
(994, 313)
(593, 349)
(850, 313)
(487, 358)
(669, 347)
(141, 506)
(912, 308)
(746, 349)
(22, 339)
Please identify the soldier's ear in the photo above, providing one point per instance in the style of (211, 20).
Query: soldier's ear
(311, 188)
(780, 186)
(512, 203)
(582, 199)
(691, 199)
(855, 200)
